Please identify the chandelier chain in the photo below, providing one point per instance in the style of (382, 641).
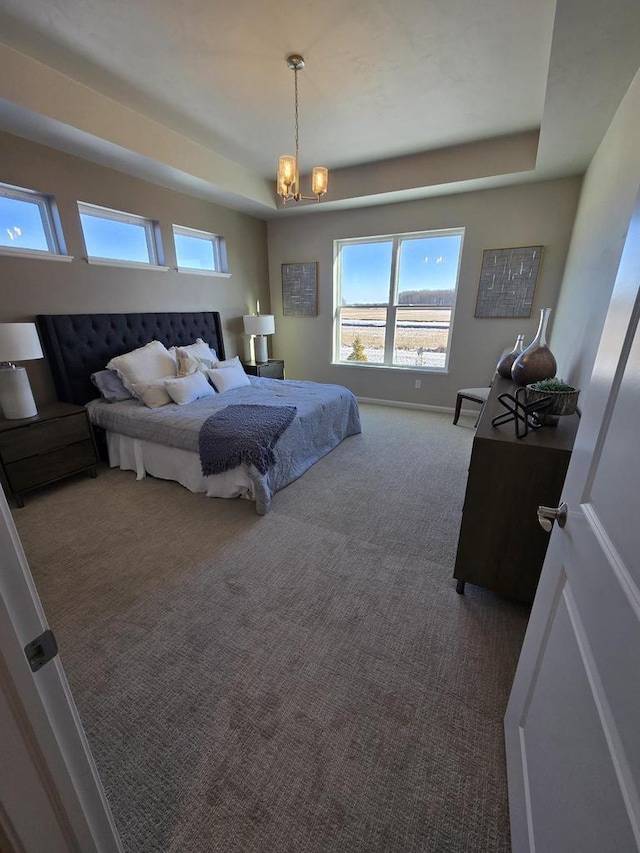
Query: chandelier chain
(295, 78)
(288, 180)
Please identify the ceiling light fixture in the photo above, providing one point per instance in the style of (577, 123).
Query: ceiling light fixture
(288, 168)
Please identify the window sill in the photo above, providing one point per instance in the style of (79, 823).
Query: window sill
(214, 273)
(134, 265)
(410, 368)
(34, 253)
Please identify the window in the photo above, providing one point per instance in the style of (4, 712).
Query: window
(112, 236)
(199, 251)
(28, 223)
(395, 297)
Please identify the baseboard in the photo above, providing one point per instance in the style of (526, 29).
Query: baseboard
(443, 410)
(400, 405)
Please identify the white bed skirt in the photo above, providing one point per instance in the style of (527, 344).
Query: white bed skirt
(171, 463)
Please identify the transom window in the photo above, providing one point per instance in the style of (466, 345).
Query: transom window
(199, 250)
(28, 222)
(394, 299)
(113, 235)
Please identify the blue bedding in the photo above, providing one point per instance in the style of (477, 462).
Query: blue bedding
(325, 415)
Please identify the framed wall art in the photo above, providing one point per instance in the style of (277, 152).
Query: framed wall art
(300, 289)
(508, 281)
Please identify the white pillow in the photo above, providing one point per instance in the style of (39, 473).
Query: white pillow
(186, 389)
(152, 361)
(197, 356)
(200, 349)
(186, 364)
(229, 362)
(226, 378)
(153, 394)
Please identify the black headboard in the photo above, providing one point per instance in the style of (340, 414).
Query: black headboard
(77, 345)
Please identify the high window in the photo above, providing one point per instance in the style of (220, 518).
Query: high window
(394, 299)
(199, 251)
(111, 236)
(28, 223)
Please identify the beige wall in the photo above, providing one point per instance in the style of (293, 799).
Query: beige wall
(530, 214)
(29, 287)
(523, 215)
(609, 192)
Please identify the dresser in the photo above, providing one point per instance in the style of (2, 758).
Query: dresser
(272, 369)
(56, 443)
(501, 544)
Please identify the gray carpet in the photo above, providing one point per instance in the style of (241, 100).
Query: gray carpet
(305, 682)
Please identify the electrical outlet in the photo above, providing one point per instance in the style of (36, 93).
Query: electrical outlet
(417, 383)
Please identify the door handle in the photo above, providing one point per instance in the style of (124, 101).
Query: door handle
(547, 515)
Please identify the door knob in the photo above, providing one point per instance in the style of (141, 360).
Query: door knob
(548, 514)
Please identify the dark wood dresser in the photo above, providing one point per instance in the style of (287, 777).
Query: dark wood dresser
(272, 369)
(56, 443)
(501, 544)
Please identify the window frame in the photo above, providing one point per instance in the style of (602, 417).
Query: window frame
(151, 231)
(49, 217)
(218, 244)
(392, 305)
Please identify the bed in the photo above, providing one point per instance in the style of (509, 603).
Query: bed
(164, 442)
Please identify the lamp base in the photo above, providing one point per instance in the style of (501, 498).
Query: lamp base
(260, 348)
(16, 399)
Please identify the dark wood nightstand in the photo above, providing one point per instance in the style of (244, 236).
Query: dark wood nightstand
(56, 443)
(272, 369)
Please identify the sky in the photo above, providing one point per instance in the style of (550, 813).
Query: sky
(21, 227)
(105, 238)
(426, 263)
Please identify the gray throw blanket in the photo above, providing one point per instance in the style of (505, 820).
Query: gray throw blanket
(242, 435)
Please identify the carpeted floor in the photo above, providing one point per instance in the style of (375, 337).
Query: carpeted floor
(305, 682)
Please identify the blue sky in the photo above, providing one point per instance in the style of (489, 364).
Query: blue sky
(106, 238)
(21, 228)
(21, 225)
(426, 263)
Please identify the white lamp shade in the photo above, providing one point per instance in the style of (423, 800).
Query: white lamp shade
(19, 342)
(259, 324)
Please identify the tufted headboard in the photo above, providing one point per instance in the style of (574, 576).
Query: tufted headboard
(77, 345)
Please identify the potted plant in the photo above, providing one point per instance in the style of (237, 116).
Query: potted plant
(564, 397)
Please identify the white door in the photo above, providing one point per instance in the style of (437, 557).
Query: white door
(572, 725)
(51, 799)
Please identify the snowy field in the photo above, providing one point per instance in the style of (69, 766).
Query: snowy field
(421, 335)
(404, 358)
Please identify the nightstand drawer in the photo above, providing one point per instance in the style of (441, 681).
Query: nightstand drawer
(273, 370)
(44, 437)
(25, 474)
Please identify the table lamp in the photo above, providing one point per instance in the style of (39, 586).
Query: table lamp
(259, 325)
(18, 342)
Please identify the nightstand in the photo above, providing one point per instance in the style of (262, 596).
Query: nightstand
(56, 443)
(272, 369)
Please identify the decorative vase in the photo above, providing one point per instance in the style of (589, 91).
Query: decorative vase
(537, 361)
(506, 362)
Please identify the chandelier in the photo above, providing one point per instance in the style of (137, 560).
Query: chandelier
(288, 167)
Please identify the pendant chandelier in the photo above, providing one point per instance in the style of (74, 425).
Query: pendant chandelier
(288, 168)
